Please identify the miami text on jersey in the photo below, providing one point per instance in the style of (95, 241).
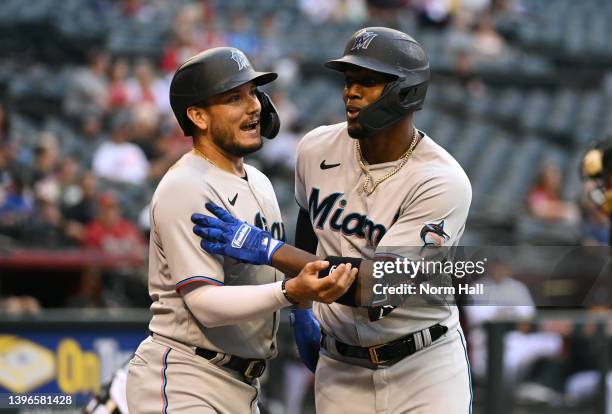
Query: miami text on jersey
(350, 223)
(276, 229)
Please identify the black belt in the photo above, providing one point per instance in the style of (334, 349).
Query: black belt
(391, 352)
(249, 368)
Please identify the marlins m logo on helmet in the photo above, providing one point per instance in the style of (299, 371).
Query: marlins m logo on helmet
(363, 40)
(240, 59)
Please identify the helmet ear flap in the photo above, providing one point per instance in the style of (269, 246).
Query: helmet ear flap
(398, 98)
(411, 97)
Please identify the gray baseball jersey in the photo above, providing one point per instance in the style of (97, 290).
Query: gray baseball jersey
(430, 190)
(176, 259)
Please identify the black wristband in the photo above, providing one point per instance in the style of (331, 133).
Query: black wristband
(348, 298)
(284, 290)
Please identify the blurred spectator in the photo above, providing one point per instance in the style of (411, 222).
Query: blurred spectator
(506, 299)
(9, 166)
(120, 160)
(92, 135)
(137, 10)
(278, 158)
(118, 95)
(465, 74)
(88, 87)
(354, 11)
(15, 201)
(83, 210)
(146, 88)
(242, 37)
(436, 13)
(45, 228)
(145, 128)
(544, 198)
(5, 125)
(168, 148)
(90, 291)
(388, 12)
(488, 44)
(194, 29)
(112, 233)
(288, 69)
(46, 157)
(271, 43)
(572, 375)
(318, 11)
(17, 305)
(459, 37)
(67, 179)
(91, 128)
(16, 207)
(287, 111)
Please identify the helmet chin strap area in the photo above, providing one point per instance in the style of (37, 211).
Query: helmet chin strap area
(390, 107)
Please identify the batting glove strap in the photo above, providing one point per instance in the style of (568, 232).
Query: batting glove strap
(250, 244)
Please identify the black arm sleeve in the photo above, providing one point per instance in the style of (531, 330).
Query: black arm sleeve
(305, 237)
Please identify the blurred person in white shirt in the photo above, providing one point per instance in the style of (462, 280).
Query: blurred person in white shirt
(120, 160)
(506, 299)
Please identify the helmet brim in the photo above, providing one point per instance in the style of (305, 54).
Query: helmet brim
(263, 78)
(259, 78)
(350, 62)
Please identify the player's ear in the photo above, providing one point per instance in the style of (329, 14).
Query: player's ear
(199, 116)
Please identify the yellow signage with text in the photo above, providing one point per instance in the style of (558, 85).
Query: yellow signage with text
(26, 365)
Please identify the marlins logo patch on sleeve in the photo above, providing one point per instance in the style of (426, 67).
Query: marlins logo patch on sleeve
(433, 234)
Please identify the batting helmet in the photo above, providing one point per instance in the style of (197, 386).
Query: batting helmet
(393, 53)
(215, 71)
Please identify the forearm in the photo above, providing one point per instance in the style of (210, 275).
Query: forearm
(291, 260)
(228, 305)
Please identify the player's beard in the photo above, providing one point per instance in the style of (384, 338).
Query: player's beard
(225, 138)
(356, 131)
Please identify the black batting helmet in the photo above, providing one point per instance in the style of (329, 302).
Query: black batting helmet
(215, 71)
(393, 53)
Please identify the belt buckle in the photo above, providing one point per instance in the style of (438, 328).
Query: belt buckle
(255, 369)
(374, 354)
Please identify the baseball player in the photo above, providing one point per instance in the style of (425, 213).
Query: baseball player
(372, 182)
(215, 319)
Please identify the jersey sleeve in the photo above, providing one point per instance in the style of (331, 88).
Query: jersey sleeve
(436, 217)
(171, 221)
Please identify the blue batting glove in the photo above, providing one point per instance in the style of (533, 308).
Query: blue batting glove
(307, 334)
(228, 236)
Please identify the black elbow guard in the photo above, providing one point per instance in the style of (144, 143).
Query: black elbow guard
(349, 298)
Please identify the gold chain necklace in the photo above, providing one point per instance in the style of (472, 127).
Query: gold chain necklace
(201, 154)
(366, 171)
